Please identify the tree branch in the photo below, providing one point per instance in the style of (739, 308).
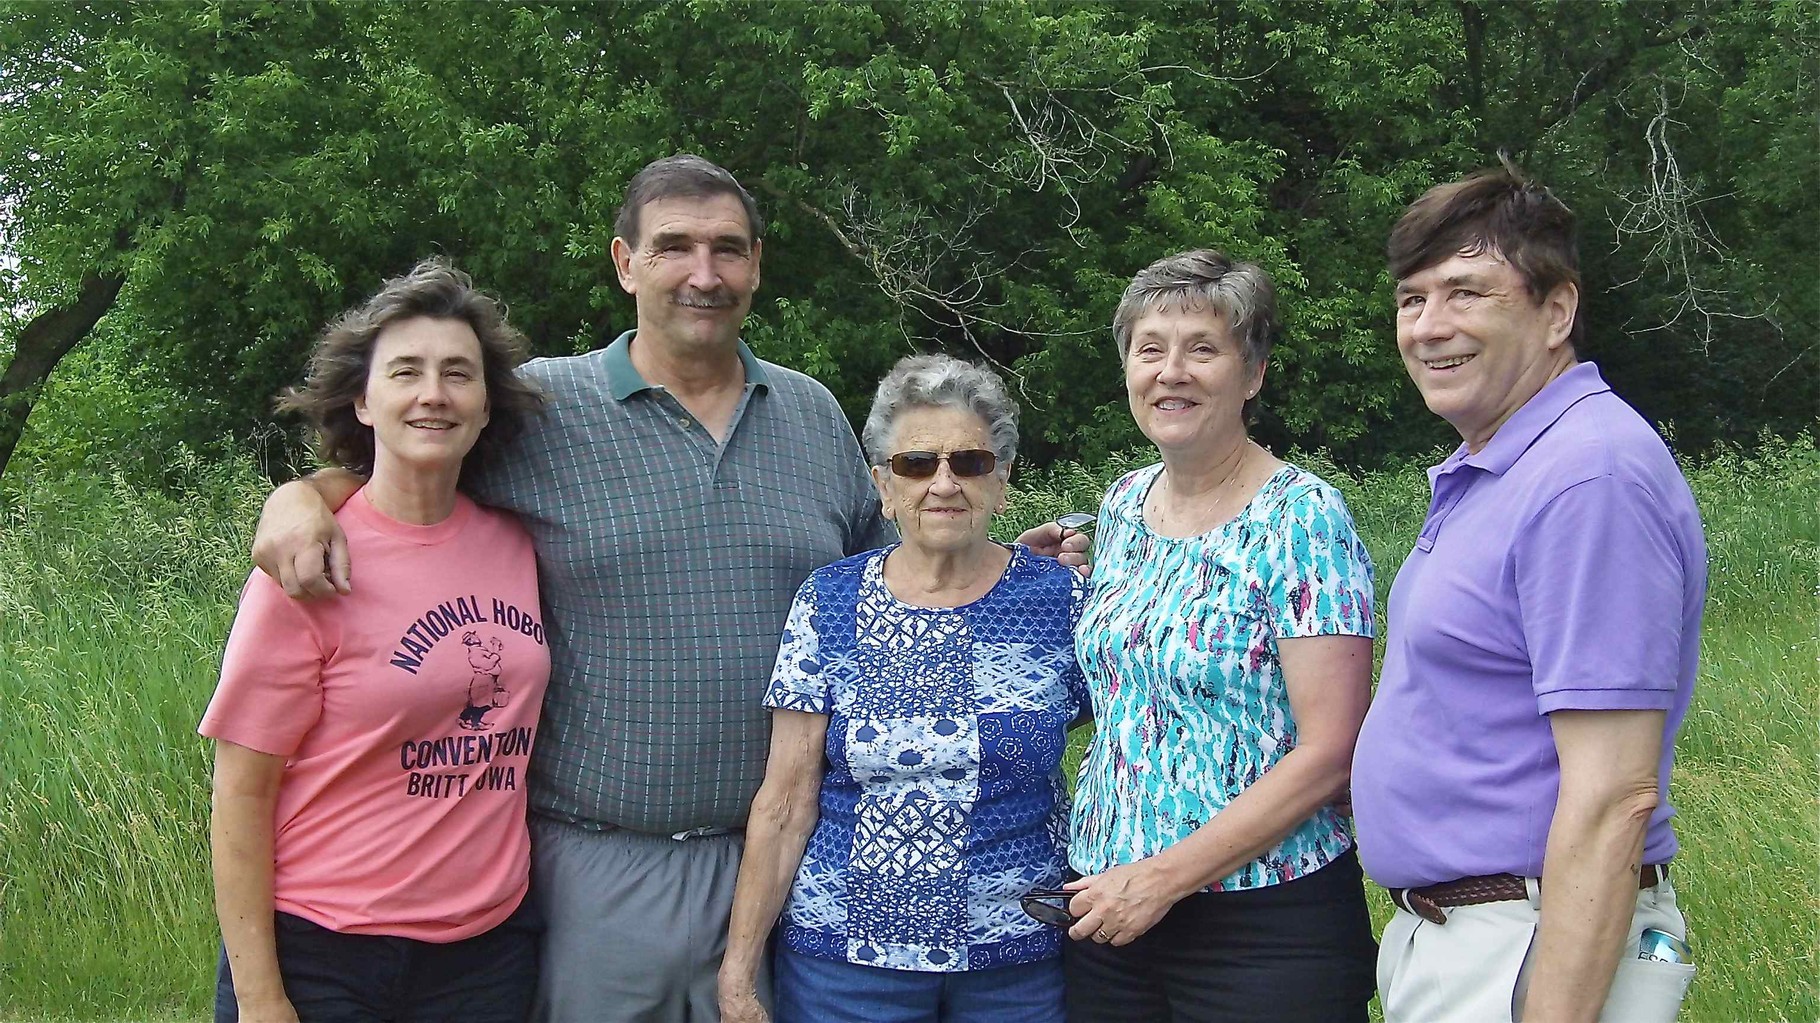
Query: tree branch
(46, 339)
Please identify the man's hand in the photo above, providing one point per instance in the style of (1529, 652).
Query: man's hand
(300, 545)
(1067, 546)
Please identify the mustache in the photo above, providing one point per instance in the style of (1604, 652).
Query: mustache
(718, 298)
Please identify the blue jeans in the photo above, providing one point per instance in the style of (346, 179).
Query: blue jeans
(810, 989)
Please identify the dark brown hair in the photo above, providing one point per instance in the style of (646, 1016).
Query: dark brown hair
(685, 175)
(337, 373)
(1497, 210)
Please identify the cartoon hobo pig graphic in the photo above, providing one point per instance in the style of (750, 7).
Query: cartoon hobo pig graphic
(484, 690)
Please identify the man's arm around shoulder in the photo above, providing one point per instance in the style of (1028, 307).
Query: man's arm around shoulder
(298, 542)
(1609, 760)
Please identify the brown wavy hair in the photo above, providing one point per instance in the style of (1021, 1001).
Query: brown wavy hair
(1499, 210)
(338, 367)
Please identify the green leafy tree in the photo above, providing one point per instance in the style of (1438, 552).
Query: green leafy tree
(978, 178)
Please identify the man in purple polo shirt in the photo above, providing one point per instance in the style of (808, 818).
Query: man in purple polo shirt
(1510, 784)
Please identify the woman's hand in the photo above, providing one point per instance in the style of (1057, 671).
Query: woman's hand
(268, 1011)
(1117, 906)
(739, 1003)
(245, 799)
(778, 827)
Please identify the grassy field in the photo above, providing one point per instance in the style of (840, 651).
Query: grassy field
(114, 605)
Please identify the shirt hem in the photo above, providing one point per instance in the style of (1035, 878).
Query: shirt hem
(1300, 870)
(420, 931)
(1605, 699)
(993, 954)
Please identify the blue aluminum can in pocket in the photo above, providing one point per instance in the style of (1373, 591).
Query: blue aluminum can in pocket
(1663, 947)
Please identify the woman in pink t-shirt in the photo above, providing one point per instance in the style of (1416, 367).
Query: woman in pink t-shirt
(370, 850)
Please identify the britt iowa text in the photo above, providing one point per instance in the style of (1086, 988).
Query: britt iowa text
(474, 752)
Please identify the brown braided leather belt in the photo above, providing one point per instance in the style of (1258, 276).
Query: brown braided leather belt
(1431, 903)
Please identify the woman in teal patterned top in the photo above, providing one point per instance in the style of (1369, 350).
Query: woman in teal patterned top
(1227, 646)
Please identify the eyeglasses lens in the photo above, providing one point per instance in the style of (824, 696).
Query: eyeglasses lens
(974, 462)
(1046, 912)
(920, 465)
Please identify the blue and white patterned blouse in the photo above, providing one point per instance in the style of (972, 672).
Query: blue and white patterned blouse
(1179, 646)
(943, 799)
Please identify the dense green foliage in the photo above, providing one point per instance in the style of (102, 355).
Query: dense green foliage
(940, 174)
(114, 606)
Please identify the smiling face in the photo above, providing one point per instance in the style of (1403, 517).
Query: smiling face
(1478, 344)
(944, 513)
(1187, 380)
(426, 396)
(692, 271)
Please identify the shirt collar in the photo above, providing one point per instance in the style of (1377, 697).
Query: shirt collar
(1531, 421)
(625, 380)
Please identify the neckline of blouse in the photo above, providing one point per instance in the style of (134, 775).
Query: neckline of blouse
(1136, 510)
(875, 573)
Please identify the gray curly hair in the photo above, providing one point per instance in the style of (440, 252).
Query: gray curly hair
(941, 381)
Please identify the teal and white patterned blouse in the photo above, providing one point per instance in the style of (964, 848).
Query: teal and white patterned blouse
(1178, 642)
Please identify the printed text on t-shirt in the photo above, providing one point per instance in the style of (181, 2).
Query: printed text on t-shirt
(438, 622)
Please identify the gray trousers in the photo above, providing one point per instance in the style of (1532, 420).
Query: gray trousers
(635, 923)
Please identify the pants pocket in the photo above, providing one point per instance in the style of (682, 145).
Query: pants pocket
(1464, 971)
(1394, 949)
(1647, 991)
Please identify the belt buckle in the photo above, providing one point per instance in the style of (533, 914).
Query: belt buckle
(1422, 906)
(705, 831)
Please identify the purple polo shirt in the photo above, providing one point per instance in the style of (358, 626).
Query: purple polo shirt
(1561, 568)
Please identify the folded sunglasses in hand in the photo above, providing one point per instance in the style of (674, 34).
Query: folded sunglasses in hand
(1042, 906)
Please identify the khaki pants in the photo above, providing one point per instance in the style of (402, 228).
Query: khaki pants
(1475, 967)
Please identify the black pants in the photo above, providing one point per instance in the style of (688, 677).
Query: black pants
(1301, 950)
(364, 978)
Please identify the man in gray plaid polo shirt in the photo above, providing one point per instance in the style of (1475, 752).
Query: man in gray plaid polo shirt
(678, 491)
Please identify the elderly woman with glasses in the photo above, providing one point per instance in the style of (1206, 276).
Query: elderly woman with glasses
(1227, 645)
(921, 701)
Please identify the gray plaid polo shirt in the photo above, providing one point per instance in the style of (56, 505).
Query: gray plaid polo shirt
(668, 562)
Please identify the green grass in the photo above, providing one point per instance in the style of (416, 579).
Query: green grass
(114, 605)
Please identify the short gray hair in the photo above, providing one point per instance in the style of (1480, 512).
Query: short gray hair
(941, 381)
(1240, 292)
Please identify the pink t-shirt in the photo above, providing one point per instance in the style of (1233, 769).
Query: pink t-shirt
(406, 710)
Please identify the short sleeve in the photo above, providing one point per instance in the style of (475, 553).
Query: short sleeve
(797, 682)
(270, 694)
(1317, 580)
(1599, 588)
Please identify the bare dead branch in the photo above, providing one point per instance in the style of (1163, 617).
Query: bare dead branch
(1665, 213)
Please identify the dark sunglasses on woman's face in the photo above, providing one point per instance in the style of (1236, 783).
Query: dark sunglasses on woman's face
(920, 465)
(1048, 906)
